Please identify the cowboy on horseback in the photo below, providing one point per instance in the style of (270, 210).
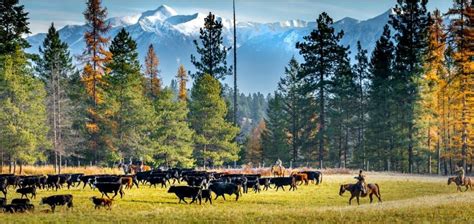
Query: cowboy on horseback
(361, 182)
(460, 172)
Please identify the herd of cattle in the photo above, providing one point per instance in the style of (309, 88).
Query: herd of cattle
(198, 186)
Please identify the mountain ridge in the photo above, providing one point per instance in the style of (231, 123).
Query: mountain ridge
(264, 49)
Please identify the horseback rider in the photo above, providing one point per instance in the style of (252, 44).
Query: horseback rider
(278, 162)
(361, 182)
(460, 172)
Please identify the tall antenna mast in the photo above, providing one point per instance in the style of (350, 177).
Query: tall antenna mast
(235, 67)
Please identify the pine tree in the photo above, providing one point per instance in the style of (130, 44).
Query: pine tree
(214, 136)
(319, 51)
(13, 27)
(131, 109)
(172, 138)
(380, 132)
(298, 107)
(274, 137)
(95, 57)
(254, 148)
(212, 54)
(411, 22)
(23, 121)
(361, 71)
(462, 38)
(342, 107)
(54, 68)
(151, 71)
(182, 79)
(290, 87)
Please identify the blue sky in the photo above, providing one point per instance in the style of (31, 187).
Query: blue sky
(63, 12)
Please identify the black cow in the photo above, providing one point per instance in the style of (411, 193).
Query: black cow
(265, 182)
(12, 180)
(225, 188)
(314, 176)
(142, 176)
(18, 208)
(74, 180)
(87, 179)
(186, 192)
(27, 190)
(110, 187)
(53, 182)
(196, 181)
(253, 184)
(107, 178)
(60, 200)
(4, 186)
(3, 202)
(206, 194)
(30, 181)
(284, 181)
(157, 179)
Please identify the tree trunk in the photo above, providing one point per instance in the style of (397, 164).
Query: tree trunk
(21, 167)
(9, 164)
(321, 121)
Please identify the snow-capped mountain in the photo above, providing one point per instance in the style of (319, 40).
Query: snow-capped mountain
(264, 49)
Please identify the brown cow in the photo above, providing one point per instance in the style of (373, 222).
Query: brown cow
(300, 177)
(127, 181)
(102, 202)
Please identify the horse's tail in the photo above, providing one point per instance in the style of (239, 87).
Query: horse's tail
(378, 188)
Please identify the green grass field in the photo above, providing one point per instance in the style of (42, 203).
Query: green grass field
(405, 199)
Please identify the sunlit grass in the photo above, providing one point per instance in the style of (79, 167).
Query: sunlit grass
(406, 198)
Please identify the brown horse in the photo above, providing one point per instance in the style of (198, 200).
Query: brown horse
(468, 183)
(278, 171)
(372, 189)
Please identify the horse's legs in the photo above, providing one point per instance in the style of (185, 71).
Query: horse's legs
(350, 199)
(357, 197)
(371, 197)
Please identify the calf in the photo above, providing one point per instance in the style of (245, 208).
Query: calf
(27, 190)
(102, 202)
(225, 188)
(113, 187)
(284, 181)
(301, 177)
(133, 178)
(127, 182)
(186, 192)
(18, 208)
(54, 200)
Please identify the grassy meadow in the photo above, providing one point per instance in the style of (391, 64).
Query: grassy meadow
(406, 198)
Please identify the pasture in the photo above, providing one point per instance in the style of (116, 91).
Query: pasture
(406, 198)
